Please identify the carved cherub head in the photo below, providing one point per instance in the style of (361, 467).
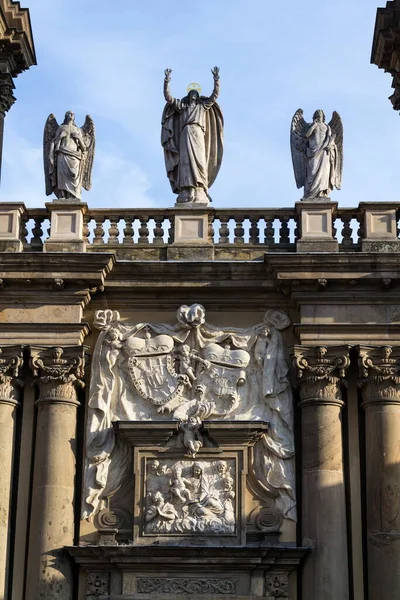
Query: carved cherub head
(197, 471)
(222, 468)
(153, 467)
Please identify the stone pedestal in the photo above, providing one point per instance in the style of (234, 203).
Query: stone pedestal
(380, 226)
(379, 380)
(316, 233)
(192, 235)
(321, 372)
(66, 229)
(10, 362)
(10, 226)
(59, 372)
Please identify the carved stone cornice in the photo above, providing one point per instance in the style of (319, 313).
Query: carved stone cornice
(7, 97)
(321, 374)
(59, 373)
(10, 363)
(16, 40)
(379, 374)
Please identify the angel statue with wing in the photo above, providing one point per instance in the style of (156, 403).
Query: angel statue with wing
(317, 153)
(192, 138)
(68, 153)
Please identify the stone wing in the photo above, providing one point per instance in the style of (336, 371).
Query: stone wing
(298, 145)
(49, 133)
(88, 132)
(337, 129)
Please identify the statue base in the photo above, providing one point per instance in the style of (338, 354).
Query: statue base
(193, 197)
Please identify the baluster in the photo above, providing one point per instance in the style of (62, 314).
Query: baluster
(347, 242)
(171, 236)
(269, 233)
(143, 231)
(86, 231)
(295, 229)
(128, 231)
(37, 234)
(158, 231)
(99, 231)
(284, 232)
(211, 230)
(239, 231)
(113, 231)
(23, 233)
(254, 233)
(224, 230)
(361, 230)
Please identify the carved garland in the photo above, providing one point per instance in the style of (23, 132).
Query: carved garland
(185, 586)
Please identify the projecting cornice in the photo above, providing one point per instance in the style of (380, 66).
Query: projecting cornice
(386, 45)
(16, 38)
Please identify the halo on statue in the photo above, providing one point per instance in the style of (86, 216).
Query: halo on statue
(194, 86)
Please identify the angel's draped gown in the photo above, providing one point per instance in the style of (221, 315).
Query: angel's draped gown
(66, 158)
(320, 162)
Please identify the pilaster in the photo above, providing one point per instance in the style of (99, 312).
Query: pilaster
(321, 376)
(380, 385)
(59, 375)
(10, 385)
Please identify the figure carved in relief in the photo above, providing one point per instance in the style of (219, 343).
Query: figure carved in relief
(160, 516)
(192, 439)
(192, 138)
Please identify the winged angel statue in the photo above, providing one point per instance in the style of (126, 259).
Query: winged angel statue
(68, 153)
(317, 153)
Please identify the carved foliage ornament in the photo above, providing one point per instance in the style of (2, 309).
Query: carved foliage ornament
(277, 585)
(181, 585)
(10, 363)
(7, 98)
(321, 373)
(58, 371)
(379, 374)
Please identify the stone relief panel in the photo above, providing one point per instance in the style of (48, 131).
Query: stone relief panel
(180, 585)
(184, 496)
(189, 372)
(277, 585)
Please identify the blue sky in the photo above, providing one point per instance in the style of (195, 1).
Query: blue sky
(107, 59)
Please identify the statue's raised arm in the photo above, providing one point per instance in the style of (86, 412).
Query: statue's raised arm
(192, 138)
(317, 153)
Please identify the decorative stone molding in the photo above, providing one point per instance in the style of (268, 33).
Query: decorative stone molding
(10, 363)
(277, 585)
(59, 373)
(7, 97)
(97, 584)
(379, 375)
(321, 374)
(180, 585)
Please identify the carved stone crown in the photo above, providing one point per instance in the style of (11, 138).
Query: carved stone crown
(226, 357)
(160, 344)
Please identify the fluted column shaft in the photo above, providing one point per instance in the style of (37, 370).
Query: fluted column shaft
(59, 373)
(380, 383)
(10, 384)
(321, 374)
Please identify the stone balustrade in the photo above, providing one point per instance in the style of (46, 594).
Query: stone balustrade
(143, 233)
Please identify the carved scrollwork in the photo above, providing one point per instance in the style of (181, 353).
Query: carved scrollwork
(379, 374)
(181, 585)
(10, 363)
(58, 372)
(268, 520)
(321, 373)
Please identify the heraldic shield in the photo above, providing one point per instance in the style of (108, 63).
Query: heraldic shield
(152, 370)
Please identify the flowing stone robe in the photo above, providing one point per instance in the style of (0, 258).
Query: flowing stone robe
(192, 138)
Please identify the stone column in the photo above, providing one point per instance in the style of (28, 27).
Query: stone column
(59, 374)
(321, 373)
(10, 363)
(380, 384)
(6, 101)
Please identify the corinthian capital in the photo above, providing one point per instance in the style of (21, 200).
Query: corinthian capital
(379, 374)
(321, 373)
(58, 373)
(7, 98)
(10, 364)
